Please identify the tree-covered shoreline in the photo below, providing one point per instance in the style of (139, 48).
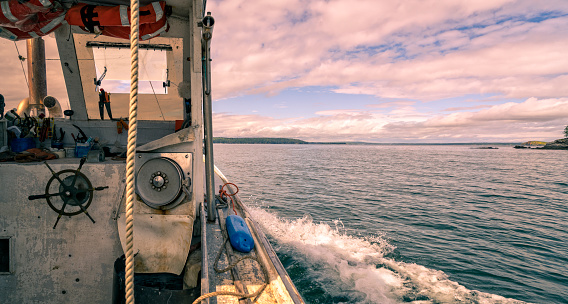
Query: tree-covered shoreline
(258, 140)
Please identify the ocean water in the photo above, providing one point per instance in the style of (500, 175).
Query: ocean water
(410, 224)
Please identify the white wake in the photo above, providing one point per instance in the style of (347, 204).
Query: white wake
(341, 263)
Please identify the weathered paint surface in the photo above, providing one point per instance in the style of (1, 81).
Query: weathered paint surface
(161, 242)
(72, 263)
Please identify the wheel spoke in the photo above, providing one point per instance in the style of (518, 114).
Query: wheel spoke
(34, 197)
(87, 213)
(81, 163)
(60, 213)
(55, 174)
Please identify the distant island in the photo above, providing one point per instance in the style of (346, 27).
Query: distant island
(292, 141)
(257, 140)
(559, 144)
(276, 140)
(534, 143)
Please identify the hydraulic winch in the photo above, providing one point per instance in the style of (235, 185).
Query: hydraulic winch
(163, 180)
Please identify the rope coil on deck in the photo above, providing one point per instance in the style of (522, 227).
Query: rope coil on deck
(231, 266)
(131, 151)
(223, 193)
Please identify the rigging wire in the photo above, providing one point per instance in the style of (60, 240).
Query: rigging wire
(155, 95)
(22, 64)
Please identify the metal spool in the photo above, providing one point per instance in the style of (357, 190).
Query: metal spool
(159, 183)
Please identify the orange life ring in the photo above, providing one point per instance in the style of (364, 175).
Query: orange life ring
(89, 16)
(38, 5)
(41, 22)
(12, 12)
(147, 31)
(37, 30)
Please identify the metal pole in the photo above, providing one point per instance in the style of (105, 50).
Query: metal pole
(36, 75)
(208, 22)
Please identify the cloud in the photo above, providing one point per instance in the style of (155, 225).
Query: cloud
(541, 119)
(405, 52)
(345, 112)
(466, 108)
(392, 104)
(412, 49)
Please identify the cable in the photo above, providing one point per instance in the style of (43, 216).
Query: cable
(22, 64)
(155, 96)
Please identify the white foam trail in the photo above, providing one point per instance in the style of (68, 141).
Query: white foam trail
(344, 262)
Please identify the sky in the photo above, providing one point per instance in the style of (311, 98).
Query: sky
(420, 71)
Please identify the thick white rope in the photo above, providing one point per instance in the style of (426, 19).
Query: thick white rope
(131, 150)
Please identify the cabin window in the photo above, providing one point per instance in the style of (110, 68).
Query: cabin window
(159, 63)
(153, 70)
(5, 255)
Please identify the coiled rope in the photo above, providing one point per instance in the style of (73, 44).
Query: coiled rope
(223, 193)
(231, 266)
(131, 150)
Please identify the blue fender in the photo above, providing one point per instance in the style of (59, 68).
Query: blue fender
(239, 234)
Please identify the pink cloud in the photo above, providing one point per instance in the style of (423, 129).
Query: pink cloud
(392, 104)
(323, 43)
(466, 108)
(541, 119)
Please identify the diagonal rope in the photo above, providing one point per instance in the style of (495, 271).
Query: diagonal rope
(155, 95)
(22, 64)
(131, 150)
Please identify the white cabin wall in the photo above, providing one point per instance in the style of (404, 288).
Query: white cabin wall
(72, 263)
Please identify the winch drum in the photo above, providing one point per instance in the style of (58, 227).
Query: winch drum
(162, 177)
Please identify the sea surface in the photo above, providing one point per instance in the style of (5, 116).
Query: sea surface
(410, 224)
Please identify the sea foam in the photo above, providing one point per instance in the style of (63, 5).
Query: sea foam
(356, 270)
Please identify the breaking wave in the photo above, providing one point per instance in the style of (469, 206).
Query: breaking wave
(328, 265)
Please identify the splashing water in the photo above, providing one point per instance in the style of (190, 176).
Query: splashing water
(477, 215)
(352, 269)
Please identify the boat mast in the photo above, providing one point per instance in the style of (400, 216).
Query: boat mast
(36, 75)
(208, 23)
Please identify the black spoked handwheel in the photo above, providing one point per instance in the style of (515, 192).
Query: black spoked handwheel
(73, 190)
(76, 195)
